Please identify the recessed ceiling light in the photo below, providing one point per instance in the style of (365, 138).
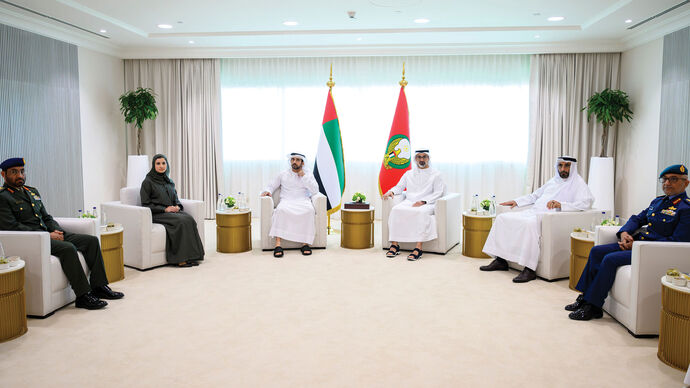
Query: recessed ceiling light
(422, 20)
(360, 38)
(555, 18)
(191, 42)
(164, 26)
(537, 36)
(290, 23)
(103, 31)
(628, 21)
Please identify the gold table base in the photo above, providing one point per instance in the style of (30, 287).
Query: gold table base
(111, 249)
(233, 232)
(475, 231)
(674, 330)
(357, 229)
(579, 254)
(12, 305)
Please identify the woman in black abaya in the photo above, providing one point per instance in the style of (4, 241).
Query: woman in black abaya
(183, 246)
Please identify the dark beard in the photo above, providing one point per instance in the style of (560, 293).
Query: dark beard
(421, 164)
(296, 167)
(564, 174)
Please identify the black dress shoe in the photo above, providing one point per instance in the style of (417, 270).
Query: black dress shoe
(89, 302)
(497, 265)
(104, 292)
(586, 312)
(579, 302)
(525, 276)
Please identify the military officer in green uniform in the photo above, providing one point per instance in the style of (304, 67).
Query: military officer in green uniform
(21, 209)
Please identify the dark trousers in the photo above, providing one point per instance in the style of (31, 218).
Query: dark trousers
(66, 251)
(600, 272)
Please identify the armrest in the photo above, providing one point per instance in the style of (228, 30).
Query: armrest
(650, 260)
(319, 201)
(79, 225)
(506, 209)
(137, 224)
(448, 212)
(34, 249)
(605, 234)
(266, 204)
(194, 208)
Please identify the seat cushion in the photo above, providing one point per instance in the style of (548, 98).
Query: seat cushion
(58, 280)
(157, 238)
(621, 290)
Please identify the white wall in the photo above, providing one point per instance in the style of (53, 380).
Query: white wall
(101, 82)
(638, 142)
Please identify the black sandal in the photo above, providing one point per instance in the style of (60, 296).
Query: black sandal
(278, 252)
(413, 256)
(306, 250)
(392, 253)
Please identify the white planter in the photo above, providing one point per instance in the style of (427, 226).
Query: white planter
(137, 168)
(600, 182)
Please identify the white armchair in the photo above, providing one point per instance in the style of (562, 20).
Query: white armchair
(144, 241)
(448, 213)
(554, 256)
(46, 286)
(320, 217)
(635, 298)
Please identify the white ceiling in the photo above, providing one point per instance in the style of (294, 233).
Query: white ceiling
(381, 27)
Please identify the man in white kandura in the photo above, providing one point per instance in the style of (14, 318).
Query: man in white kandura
(515, 236)
(293, 218)
(413, 219)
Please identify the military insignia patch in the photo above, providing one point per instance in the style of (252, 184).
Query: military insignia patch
(397, 153)
(668, 212)
(682, 168)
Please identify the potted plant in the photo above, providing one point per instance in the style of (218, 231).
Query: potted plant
(229, 202)
(358, 202)
(609, 107)
(138, 106)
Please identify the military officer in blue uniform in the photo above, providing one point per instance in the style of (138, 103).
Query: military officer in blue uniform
(21, 209)
(666, 219)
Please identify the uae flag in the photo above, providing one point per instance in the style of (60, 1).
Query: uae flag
(329, 167)
(396, 159)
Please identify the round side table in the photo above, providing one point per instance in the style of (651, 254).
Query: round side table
(580, 245)
(475, 231)
(234, 231)
(674, 330)
(12, 302)
(111, 249)
(357, 228)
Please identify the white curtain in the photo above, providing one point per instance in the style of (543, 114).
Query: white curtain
(187, 129)
(472, 112)
(560, 86)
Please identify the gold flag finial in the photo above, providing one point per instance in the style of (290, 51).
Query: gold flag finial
(330, 82)
(403, 83)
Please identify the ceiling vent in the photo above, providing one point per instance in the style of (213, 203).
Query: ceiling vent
(56, 19)
(659, 14)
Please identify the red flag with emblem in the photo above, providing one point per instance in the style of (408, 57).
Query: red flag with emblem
(396, 159)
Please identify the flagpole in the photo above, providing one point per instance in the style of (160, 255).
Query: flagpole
(330, 85)
(403, 83)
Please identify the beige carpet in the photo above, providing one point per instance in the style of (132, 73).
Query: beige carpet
(339, 318)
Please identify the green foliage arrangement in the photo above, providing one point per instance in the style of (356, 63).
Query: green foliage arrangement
(229, 202)
(608, 107)
(138, 106)
(87, 214)
(485, 204)
(359, 197)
